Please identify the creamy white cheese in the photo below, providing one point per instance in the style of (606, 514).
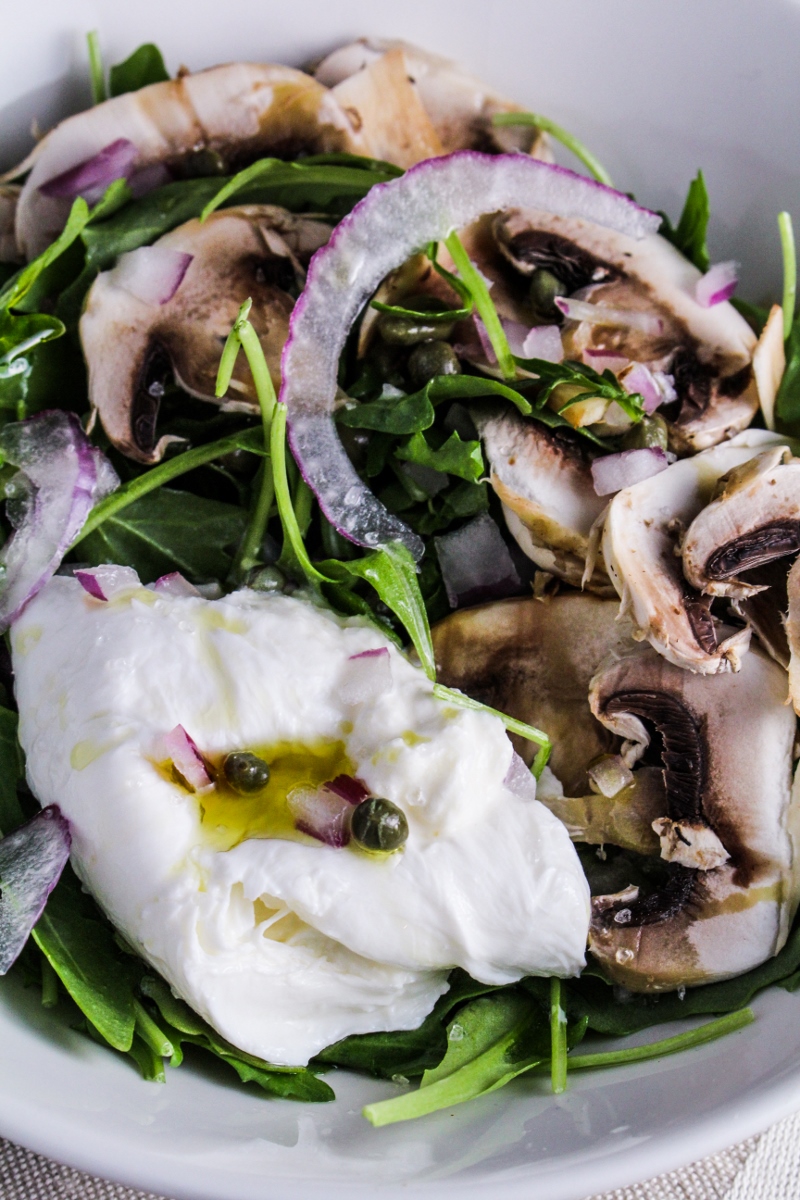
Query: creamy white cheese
(285, 946)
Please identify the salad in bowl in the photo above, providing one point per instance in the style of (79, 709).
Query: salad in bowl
(400, 587)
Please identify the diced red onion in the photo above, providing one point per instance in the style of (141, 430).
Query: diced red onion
(61, 478)
(91, 177)
(107, 581)
(543, 341)
(609, 775)
(349, 788)
(613, 472)
(175, 584)
(367, 677)
(382, 232)
(604, 314)
(147, 179)
(152, 274)
(186, 758)
(476, 564)
(654, 387)
(603, 360)
(321, 813)
(519, 779)
(717, 285)
(31, 861)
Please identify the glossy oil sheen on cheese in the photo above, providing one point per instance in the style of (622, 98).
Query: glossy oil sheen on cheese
(284, 944)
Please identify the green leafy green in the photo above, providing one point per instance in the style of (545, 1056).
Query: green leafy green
(391, 414)
(11, 771)
(454, 456)
(169, 531)
(529, 732)
(671, 1045)
(96, 73)
(692, 229)
(472, 279)
(558, 1038)
(143, 67)
(321, 182)
(576, 147)
(789, 256)
(787, 402)
(605, 386)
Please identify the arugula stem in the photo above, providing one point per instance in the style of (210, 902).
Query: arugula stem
(558, 1039)
(682, 1041)
(49, 984)
(789, 271)
(529, 732)
(483, 303)
(150, 1033)
(248, 439)
(283, 496)
(567, 139)
(96, 73)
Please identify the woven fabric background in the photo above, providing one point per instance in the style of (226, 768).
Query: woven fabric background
(763, 1168)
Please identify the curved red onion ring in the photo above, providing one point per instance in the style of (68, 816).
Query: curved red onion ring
(389, 225)
(61, 478)
(31, 861)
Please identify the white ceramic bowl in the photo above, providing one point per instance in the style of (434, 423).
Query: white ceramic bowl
(657, 89)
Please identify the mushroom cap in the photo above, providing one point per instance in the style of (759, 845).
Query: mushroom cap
(753, 520)
(545, 483)
(457, 106)
(242, 111)
(707, 350)
(131, 344)
(726, 749)
(535, 660)
(793, 633)
(640, 551)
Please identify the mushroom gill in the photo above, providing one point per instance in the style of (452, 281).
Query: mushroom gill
(640, 546)
(725, 747)
(133, 343)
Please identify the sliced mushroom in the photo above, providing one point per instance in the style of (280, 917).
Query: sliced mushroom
(237, 113)
(440, 97)
(769, 364)
(9, 195)
(133, 343)
(793, 633)
(535, 660)
(651, 288)
(544, 480)
(640, 548)
(753, 519)
(726, 750)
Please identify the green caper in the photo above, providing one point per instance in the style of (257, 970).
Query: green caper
(650, 431)
(544, 288)
(377, 824)
(245, 772)
(430, 359)
(266, 579)
(407, 331)
(201, 163)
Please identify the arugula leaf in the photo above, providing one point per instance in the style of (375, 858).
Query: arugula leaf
(391, 414)
(320, 183)
(455, 457)
(144, 66)
(490, 1042)
(576, 147)
(169, 531)
(82, 952)
(671, 1045)
(20, 284)
(529, 732)
(606, 386)
(11, 771)
(690, 235)
(472, 279)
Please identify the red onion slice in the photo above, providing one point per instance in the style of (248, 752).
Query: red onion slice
(31, 861)
(91, 177)
(107, 581)
(382, 232)
(175, 584)
(152, 274)
(349, 788)
(147, 179)
(717, 285)
(654, 387)
(367, 677)
(613, 472)
(476, 564)
(519, 779)
(603, 314)
(604, 360)
(61, 477)
(322, 814)
(186, 758)
(543, 341)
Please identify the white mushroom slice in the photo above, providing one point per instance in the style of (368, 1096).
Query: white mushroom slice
(132, 343)
(726, 749)
(640, 538)
(753, 520)
(549, 501)
(459, 106)
(769, 363)
(9, 195)
(707, 351)
(241, 111)
(793, 633)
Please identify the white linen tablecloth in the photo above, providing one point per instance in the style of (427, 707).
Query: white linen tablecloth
(762, 1168)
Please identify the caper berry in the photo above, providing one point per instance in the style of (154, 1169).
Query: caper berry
(201, 163)
(650, 431)
(544, 288)
(245, 772)
(377, 824)
(430, 359)
(266, 579)
(407, 331)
